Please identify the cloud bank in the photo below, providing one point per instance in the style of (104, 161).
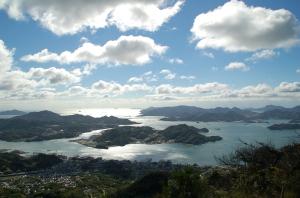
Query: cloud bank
(126, 50)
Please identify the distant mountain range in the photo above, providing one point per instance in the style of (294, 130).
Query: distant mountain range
(191, 113)
(267, 108)
(46, 125)
(12, 112)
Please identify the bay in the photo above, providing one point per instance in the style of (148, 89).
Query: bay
(231, 132)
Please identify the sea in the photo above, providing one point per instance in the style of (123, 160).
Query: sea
(234, 134)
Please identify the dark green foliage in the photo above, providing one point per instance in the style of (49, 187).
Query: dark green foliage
(121, 136)
(252, 171)
(265, 171)
(13, 162)
(150, 185)
(187, 183)
(80, 186)
(258, 171)
(284, 126)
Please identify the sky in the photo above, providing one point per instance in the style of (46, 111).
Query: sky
(139, 53)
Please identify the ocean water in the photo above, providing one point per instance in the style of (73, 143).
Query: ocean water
(231, 132)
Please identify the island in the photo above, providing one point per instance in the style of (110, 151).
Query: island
(284, 126)
(12, 112)
(223, 114)
(191, 113)
(47, 125)
(295, 121)
(122, 136)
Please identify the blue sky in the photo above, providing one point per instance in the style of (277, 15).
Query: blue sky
(176, 71)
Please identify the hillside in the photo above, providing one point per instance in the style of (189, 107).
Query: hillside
(146, 135)
(46, 125)
(190, 113)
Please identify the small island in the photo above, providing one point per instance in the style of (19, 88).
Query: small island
(12, 112)
(122, 136)
(46, 125)
(284, 126)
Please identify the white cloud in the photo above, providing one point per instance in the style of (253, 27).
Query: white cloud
(298, 71)
(168, 75)
(145, 77)
(53, 76)
(6, 58)
(104, 87)
(209, 54)
(289, 87)
(36, 82)
(175, 61)
(84, 40)
(263, 54)
(192, 90)
(126, 50)
(237, 66)
(73, 16)
(237, 27)
(135, 79)
(16, 81)
(255, 91)
(187, 77)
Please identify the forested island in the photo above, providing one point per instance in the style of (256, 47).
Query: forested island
(121, 136)
(12, 112)
(46, 125)
(191, 113)
(284, 126)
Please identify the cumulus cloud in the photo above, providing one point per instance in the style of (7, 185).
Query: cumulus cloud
(126, 50)
(237, 27)
(104, 87)
(145, 77)
(208, 54)
(17, 81)
(183, 77)
(193, 90)
(73, 16)
(36, 82)
(258, 90)
(263, 54)
(135, 79)
(175, 61)
(289, 87)
(237, 66)
(6, 58)
(168, 75)
(53, 76)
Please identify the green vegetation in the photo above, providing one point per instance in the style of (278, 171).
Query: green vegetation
(13, 162)
(121, 136)
(79, 186)
(46, 125)
(251, 171)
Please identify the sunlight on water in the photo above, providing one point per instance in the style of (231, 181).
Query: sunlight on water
(231, 132)
(117, 112)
